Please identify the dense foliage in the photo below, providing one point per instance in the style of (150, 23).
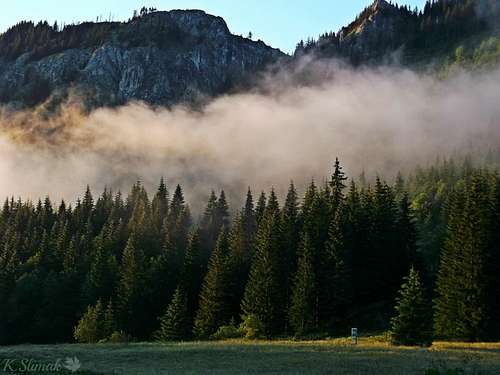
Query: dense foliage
(412, 324)
(39, 40)
(473, 56)
(117, 266)
(421, 35)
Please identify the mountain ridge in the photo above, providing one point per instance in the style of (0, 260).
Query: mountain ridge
(188, 56)
(388, 33)
(161, 58)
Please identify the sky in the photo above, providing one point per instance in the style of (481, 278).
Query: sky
(279, 23)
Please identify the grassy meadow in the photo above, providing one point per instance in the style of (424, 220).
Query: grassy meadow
(370, 356)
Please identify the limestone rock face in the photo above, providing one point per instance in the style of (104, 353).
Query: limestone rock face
(162, 58)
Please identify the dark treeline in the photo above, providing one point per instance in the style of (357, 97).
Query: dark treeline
(41, 39)
(427, 33)
(115, 267)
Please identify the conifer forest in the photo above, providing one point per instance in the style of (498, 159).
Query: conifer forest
(419, 255)
(304, 188)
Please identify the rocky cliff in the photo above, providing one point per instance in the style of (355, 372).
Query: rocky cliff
(165, 58)
(161, 58)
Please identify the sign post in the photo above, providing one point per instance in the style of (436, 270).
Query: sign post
(354, 336)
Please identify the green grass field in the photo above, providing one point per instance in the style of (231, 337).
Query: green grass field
(270, 357)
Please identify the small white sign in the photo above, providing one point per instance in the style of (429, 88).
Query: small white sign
(354, 335)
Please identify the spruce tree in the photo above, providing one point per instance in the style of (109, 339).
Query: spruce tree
(222, 212)
(248, 217)
(167, 267)
(109, 325)
(399, 187)
(261, 207)
(102, 210)
(337, 297)
(302, 309)
(96, 324)
(358, 236)
(463, 308)
(130, 290)
(337, 185)
(213, 310)
(263, 301)
(88, 327)
(164, 275)
(316, 221)
(159, 209)
(175, 324)
(102, 277)
(240, 254)
(9, 263)
(87, 205)
(446, 303)
(406, 239)
(193, 273)
(272, 207)
(209, 229)
(290, 232)
(177, 206)
(412, 324)
(215, 217)
(494, 261)
(385, 254)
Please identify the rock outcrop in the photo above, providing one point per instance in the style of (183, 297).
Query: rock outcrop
(162, 58)
(385, 32)
(380, 29)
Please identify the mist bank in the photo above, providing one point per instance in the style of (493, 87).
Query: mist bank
(375, 120)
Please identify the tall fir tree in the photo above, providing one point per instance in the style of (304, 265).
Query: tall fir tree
(96, 324)
(494, 261)
(193, 273)
(213, 311)
(261, 207)
(463, 308)
(338, 296)
(159, 208)
(167, 267)
(406, 238)
(222, 212)
(412, 324)
(209, 229)
(130, 290)
(301, 313)
(385, 252)
(176, 209)
(263, 301)
(447, 303)
(316, 221)
(102, 277)
(337, 185)
(175, 324)
(241, 243)
(290, 233)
